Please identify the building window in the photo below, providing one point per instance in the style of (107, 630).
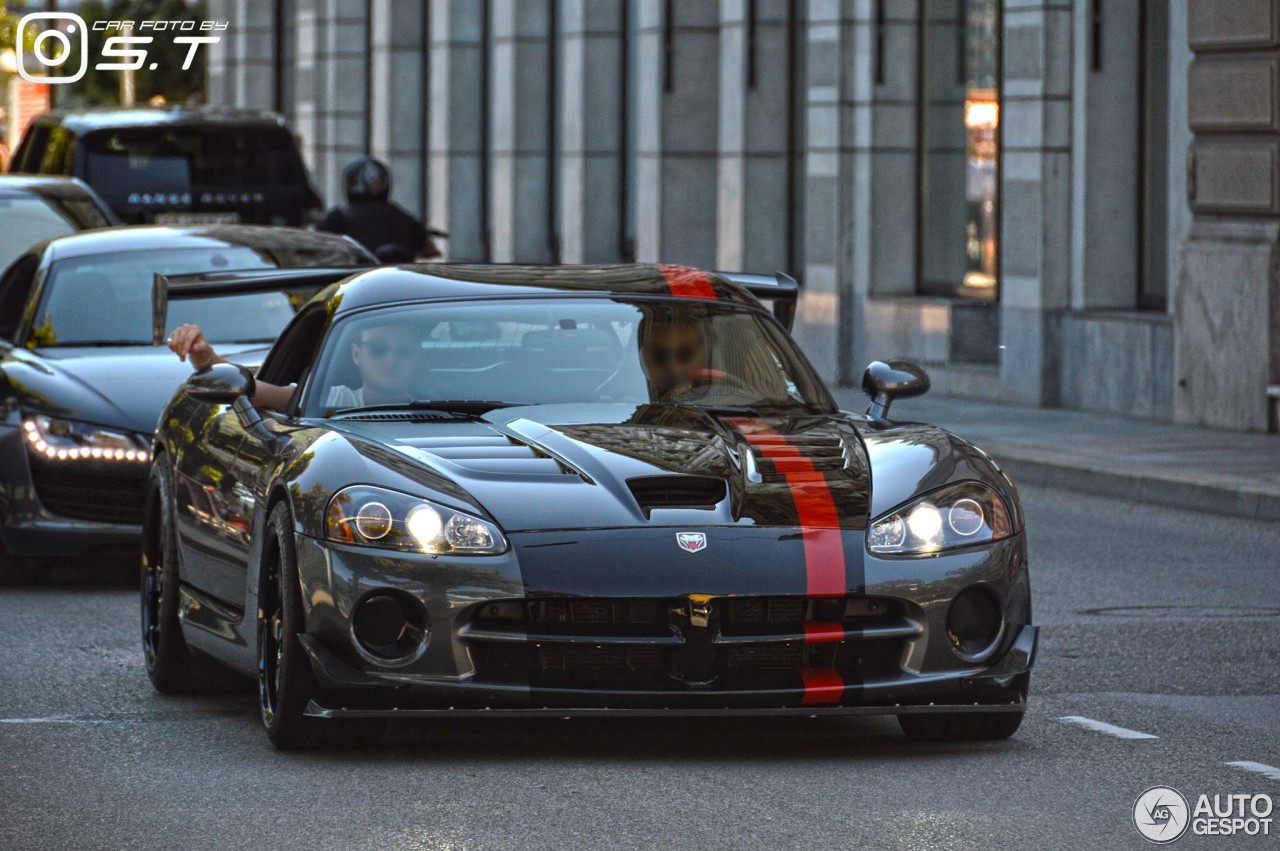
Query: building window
(958, 248)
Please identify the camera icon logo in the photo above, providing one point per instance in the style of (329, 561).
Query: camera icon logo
(63, 25)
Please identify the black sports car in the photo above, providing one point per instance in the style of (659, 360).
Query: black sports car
(84, 378)
(575, 491)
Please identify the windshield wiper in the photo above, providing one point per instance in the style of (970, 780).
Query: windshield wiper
(466, 407)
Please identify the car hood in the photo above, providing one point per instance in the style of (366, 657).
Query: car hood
(555, 467)
(124, 387)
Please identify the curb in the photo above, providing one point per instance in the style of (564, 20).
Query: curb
(1139, 486)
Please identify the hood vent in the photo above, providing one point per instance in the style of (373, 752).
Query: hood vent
(826, 452)
(652, 492)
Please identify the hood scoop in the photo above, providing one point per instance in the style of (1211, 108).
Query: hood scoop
(655, 492)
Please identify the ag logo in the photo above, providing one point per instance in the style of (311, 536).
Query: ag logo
(1161, 814)
(692, 542)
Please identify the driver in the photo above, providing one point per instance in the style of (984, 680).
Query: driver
(386, 356)
(674, 350)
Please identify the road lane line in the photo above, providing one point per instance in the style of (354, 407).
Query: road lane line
(1268, 771)
(1104, 727)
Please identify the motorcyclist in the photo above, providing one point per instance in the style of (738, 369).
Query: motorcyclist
(372, 220)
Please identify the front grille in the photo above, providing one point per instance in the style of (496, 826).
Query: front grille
(671, 643)
(105, 496)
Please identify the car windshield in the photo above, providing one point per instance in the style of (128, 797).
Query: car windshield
(29, 219)
(566, 350)
(176, 159)
(106, 299)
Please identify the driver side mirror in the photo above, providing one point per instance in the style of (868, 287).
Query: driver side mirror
(221, 384)
(897, 379)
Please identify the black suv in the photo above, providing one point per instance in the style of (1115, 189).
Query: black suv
(177, 165)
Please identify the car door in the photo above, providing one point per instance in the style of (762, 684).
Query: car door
(225, 480)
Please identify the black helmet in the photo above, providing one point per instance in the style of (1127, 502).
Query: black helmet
(366, 179)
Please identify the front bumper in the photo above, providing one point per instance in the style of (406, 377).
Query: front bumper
(30, 528)
(894, 655)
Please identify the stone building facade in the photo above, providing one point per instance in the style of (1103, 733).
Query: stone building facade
(1053, 202)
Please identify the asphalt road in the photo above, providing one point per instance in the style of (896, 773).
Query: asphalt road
(1156, 621)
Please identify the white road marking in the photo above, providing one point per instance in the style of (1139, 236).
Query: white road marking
(1104, 727)
(1268, 771)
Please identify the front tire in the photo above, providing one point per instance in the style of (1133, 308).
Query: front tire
(171, 666)
(286, 683)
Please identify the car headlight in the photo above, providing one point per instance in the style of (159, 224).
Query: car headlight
(955, 516)
(377, 517)
(67, 440)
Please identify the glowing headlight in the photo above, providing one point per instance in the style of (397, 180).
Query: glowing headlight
(67, 440)
(371, 516)
(956, 516)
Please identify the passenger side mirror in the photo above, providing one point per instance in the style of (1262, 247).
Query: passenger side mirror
(221, 384)
(897, 379)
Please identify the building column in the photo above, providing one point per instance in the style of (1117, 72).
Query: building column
(753, 219)
(241, 66)
(1226, 300)
(1035, 180)
(456, 122)
(330, 106)
(821, 324)
(592, 80)
(398, 65)
(677, 116)
(520, 126)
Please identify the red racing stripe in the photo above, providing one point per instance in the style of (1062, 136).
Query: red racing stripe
(823, 544)
(815, 508)
(818, 633)
(687, 282)
(821, 686)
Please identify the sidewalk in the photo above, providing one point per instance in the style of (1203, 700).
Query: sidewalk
(1201, 469)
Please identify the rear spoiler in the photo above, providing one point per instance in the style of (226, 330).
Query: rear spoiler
(779, 291)
(166, 288)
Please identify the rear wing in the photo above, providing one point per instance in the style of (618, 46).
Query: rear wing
(778, 291)
(300, 283)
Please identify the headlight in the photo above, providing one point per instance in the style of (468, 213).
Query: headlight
(956, 516)
(68, 440)
(376, 517)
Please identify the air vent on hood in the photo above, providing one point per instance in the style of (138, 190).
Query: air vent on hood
(653, 492)
(824, 452)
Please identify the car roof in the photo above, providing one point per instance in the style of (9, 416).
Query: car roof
(148, 237)
(434, 281)
(88, 120)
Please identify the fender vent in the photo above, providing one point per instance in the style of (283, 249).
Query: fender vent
(653, 492)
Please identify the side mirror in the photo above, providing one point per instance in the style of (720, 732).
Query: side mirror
(221, 384)
(897, 379)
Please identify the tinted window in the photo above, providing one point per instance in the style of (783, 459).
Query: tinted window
(107, 299)
(564, 351)
(172, 160)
